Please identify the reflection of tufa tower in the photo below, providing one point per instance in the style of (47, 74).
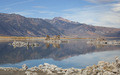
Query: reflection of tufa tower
(55, 40)
(47, 37)
(47, 45)
(56, 37)
(27, 45)
(56, 45)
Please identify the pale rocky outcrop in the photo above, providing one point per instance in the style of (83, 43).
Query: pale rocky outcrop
(103, 68)
(24, 67)
(31, 73)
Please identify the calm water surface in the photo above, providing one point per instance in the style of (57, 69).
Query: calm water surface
(74, 53)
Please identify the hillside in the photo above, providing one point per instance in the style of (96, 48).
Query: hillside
(76, 29)
(17, 25)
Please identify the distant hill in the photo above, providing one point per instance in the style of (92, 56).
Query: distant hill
(17, 25)
(76, 29)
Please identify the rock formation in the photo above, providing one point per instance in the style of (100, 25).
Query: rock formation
(103, 68)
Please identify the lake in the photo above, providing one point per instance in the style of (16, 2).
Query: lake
(73, 53)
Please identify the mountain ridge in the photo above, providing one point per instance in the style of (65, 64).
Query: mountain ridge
(17, 25)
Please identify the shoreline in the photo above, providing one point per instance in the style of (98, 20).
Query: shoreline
(37, 38)
(102, 68)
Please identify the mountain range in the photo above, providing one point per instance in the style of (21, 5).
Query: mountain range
(17, 25)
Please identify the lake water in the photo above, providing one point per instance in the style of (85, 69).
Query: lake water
(73, 53)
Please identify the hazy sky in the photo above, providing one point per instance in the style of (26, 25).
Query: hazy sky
(95, 12)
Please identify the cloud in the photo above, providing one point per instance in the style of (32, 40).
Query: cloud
(72, 9)
(116, 7)
(39, 7)
(46, 12)
(101, 1)
(110, 19)
(24, 13)
(5, 9)
(17, 3)
(99, 15)
(37, 13)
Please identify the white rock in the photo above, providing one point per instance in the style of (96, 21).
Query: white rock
(24, 67)
(48, 71)
(46, 64)
(34, 69)
(30, 73)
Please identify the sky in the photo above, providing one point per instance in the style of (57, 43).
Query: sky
(93, 12)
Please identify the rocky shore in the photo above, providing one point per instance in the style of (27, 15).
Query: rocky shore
(103, 68)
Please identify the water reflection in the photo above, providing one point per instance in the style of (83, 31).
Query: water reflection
(55, 44)
(11, 52)
(99, 42)
(16, 44)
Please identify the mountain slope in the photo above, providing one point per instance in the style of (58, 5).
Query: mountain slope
(63, 24)
(76, 29)
(17, 25)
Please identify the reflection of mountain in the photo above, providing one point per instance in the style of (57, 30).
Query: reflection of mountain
(8, 54)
